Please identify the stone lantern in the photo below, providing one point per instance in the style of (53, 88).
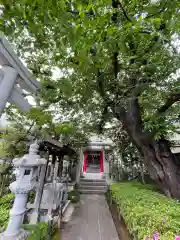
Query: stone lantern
(26, 180)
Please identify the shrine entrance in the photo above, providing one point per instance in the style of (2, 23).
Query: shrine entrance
(93, 162)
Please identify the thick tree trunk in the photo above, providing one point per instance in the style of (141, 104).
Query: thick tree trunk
(162, 164)
(163, 167)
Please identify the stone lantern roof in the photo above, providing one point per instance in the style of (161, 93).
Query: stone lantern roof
(30, 160)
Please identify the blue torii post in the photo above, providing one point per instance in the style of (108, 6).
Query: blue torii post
(14, 77)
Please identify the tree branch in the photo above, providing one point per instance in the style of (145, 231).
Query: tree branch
(139, 88)
(124, 12)
(173, 98)
(26, 134)
(115, 64)
(103, 118)
(117, 110)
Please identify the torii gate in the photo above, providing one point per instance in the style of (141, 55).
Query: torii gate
(14, 77)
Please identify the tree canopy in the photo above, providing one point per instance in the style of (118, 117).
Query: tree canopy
(106, 53)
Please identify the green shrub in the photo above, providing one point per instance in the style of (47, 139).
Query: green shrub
(38, 232)
(31, 197)
(3, 168)
(146, 211)
(5, 206)
(74, 196)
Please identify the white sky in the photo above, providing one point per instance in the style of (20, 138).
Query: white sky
(3, 121)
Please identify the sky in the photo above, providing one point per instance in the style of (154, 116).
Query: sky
(3, 121)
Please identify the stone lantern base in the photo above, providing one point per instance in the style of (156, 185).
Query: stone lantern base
(21, 236)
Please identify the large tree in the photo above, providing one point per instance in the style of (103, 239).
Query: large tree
(116, 59)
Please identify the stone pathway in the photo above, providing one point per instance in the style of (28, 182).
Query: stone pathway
(91, 221)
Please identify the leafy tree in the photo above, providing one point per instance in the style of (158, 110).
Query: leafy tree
(14, 142)
(25, 127)
(115, 60)
(131, 161)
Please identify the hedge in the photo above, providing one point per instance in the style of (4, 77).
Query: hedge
(40, 231)
(74, 196)
(146, 211)
(37, 232)
(5, 206)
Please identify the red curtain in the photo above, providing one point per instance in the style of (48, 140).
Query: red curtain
(85, 161)
(101, 162)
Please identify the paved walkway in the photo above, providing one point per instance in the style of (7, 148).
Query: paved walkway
(91, 221)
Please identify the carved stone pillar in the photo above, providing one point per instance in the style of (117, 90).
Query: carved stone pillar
(25, 181)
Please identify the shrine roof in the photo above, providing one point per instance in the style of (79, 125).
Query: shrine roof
(55, 147)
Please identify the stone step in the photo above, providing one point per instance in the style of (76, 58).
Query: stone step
(94, 167)
(90, 180)
(87, 191)
(93, 187)
(92, 184)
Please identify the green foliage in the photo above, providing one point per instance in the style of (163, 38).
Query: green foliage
(2, 150)
(31, 196)
(38, 232)
(3, 168)
(74, 196)
(124, 147)
(39, 116)
(98, 61)
(146, 211)
(73, 47)
(14, 141)
(36, 124)
(5, 206)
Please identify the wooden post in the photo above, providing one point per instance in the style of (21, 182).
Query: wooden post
(56, 168)
(52, 167)
(37, 202)
(48, 172)
(79, 166)
(50, 221)
(60, 166)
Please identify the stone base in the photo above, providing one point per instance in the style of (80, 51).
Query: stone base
(33, 218)
(103, 175)
(21, 236)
